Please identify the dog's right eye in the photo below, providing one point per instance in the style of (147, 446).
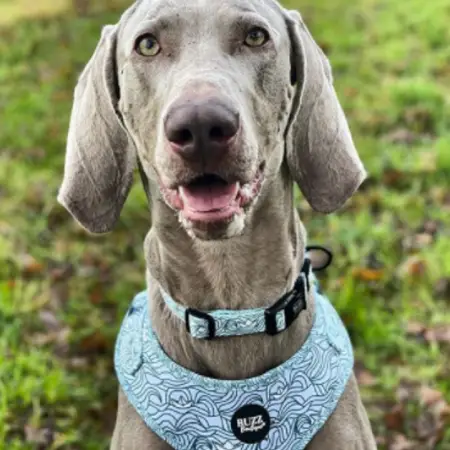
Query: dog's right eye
(147, 45)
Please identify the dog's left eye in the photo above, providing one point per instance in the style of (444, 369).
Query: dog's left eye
(256, 37)
(147, 45)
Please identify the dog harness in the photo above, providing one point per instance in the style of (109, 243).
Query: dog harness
(280, 410)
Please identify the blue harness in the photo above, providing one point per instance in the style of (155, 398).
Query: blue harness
(280, 410)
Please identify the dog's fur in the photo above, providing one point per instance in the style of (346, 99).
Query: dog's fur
(292, 125)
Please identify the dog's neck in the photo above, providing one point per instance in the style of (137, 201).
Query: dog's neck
(244, 272)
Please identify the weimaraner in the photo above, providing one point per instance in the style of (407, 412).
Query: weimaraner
(225, 104)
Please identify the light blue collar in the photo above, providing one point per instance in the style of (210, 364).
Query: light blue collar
(226, 322)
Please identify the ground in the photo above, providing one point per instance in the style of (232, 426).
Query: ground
(63, 293)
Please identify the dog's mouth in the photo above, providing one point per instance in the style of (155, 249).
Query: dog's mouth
(210, 198)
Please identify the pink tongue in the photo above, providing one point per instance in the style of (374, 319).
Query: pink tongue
(209, 198)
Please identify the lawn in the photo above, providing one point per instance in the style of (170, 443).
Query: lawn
(63, 292)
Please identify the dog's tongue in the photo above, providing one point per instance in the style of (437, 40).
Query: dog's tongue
(208, 197)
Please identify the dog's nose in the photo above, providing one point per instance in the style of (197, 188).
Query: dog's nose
(199, 128)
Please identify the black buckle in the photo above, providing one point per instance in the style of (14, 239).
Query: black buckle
(201, 315)
(293, 303)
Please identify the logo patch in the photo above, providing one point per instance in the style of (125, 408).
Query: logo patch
(250, 424)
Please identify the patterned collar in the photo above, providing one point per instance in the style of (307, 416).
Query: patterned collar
(272, 320)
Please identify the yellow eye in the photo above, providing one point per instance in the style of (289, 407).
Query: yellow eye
(256, 37)
(148, 45)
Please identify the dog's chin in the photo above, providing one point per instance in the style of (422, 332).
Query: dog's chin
(210, 208)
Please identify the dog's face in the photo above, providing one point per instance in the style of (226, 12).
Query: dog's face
(213, 96)
(206, 92)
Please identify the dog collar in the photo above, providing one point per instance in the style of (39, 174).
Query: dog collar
(272, 320)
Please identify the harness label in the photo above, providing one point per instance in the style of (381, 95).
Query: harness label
(250, 424)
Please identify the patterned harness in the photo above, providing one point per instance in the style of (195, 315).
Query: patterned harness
(280, 410)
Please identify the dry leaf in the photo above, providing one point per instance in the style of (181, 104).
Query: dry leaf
(95, 343)
(414, 266)
(415, 328)
(392, 177)
(442, 288)
(429, 396)
(365, 274)
(394, 419)
(439, 334)
(43, 437)
(30, 266)
(400, 442)
(401, 136)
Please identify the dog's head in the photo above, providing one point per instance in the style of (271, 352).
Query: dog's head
(212, 97)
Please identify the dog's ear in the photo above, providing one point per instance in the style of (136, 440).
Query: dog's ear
(100, 158)
(321, 156)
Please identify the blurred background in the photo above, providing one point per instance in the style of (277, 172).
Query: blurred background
(63, 293)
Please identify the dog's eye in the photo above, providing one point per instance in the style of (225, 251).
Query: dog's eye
(256, 37)
(147, 45)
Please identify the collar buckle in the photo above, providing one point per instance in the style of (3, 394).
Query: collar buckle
(200, 315)
(292, 304)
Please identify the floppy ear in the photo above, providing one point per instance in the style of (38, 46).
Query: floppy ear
(321, 156)
(100, 158)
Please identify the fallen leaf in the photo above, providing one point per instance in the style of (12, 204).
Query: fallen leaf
(42, 437)
(365, 274)
(392, 177)
(440, 334)
(429, 396)
(96, 295)
(417, 241)
(95, 343)
(442, 288)
(414, 266)
(394, 419)
(363, 376)
(415, 328)
(401, 136)
(400, 442)
(49, 320)
(30, 266)
(60, 271)
(431, 227)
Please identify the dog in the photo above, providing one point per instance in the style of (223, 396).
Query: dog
(223, 105)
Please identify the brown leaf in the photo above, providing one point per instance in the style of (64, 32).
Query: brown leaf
(417, 241)
(439, 334)
(415, 328)
(401, 136)
(442, 288)
(95, 343)
(400, 442)
(394, 419)
(429, 396)
(392, 177)
(363, 376)
(365, 274)
(49, 320)
(96, 295)
(30, 266)
(43, 437)
(414, 266)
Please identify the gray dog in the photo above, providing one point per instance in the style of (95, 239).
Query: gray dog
(225, 104)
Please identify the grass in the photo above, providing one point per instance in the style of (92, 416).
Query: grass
(63, 293)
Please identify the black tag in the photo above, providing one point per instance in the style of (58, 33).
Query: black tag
(250, 424)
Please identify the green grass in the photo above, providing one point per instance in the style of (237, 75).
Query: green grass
(63, 293)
